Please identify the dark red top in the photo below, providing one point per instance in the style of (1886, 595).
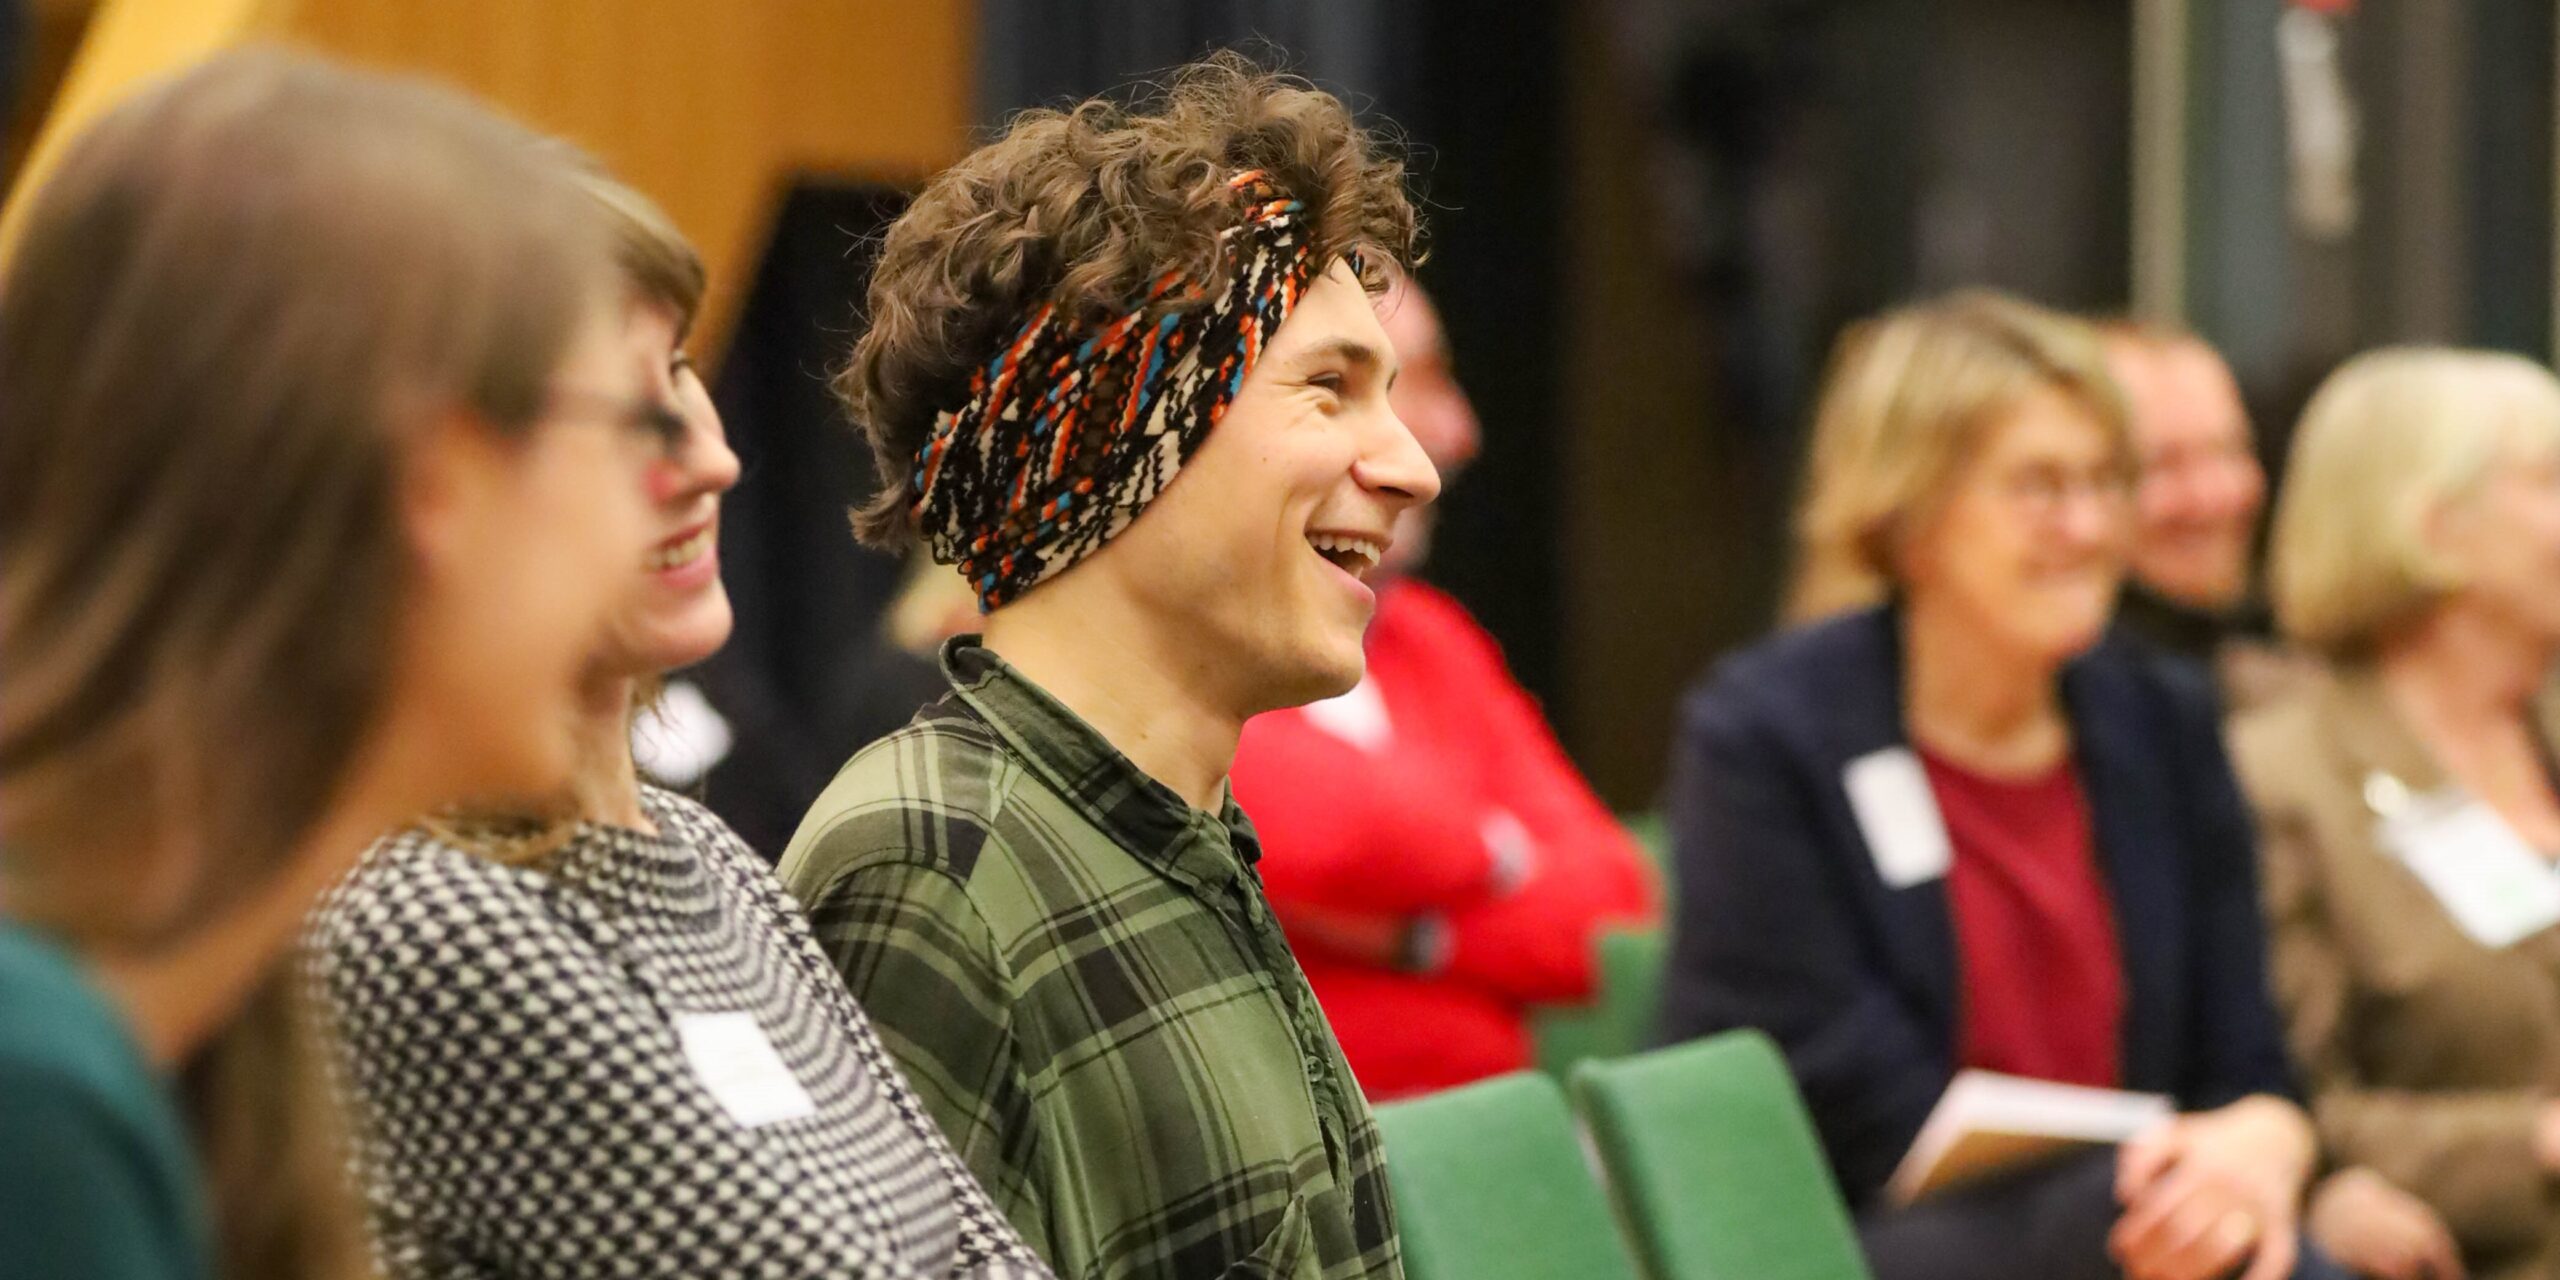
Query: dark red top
(1437, 791)
(2042, 978)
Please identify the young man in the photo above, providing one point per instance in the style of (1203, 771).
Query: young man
(1438, 863)
(1129, 370)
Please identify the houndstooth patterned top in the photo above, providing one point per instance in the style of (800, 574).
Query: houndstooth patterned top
(626, 1060)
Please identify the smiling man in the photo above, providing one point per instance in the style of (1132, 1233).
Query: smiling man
(1129, 370)
(2197, 508)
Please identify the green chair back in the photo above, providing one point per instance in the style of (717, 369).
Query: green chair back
(1619, 1020)
(1491, 1183)
(1713, 1164)
(1652, 833)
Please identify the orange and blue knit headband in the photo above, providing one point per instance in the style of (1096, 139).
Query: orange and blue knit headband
(1074, 428)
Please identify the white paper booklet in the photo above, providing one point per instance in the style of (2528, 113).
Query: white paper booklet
(1988, 1124)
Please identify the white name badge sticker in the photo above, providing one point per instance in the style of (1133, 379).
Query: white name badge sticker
(740, 1068)
(1358, 717)
(678, 740)
(2490, 881)
(1898, 814)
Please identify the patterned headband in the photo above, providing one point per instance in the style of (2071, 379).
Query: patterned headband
(1074, 428)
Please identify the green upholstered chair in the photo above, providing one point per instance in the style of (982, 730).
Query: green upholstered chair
(1619, 1020)
(1491, 1183)
(1714, 1166)
(1652, 833)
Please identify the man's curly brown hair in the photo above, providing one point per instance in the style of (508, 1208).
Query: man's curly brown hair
(1085, 208)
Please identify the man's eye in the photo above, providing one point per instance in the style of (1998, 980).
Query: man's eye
(1327, 382)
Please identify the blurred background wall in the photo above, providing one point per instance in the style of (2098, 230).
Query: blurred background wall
(711, 108)
(1649, 217)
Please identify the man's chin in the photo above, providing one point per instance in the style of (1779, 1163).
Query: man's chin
(1325, 675)
(2203, 595)
(2208, 580)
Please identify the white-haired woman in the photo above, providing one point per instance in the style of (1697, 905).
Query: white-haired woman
(2407, 799)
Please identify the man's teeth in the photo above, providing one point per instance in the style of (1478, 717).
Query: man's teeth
(683, 553)
(1356, 556)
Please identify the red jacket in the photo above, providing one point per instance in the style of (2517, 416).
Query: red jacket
(1436, 790)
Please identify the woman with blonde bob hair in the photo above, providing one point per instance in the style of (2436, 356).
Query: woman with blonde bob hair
(1946, 823)
(2406, 793)
(1909, 400)
(322, 446)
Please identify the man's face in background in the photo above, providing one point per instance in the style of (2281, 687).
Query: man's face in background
(2201, 487)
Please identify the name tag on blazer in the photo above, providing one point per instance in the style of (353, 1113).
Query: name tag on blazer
(1898, 814)
(740, 1068)
(2490, 881)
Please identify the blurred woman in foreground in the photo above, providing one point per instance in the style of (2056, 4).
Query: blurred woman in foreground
(1952, 825)
(320, 460)
(525, 997)
(2410, 814)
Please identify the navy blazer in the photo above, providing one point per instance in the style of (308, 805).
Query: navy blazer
(1784, 924)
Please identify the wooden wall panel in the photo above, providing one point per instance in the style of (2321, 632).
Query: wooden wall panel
(706, 106)
(124, 43)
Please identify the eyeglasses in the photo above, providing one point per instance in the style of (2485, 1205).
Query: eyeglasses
(642, 418)
(2044, 491)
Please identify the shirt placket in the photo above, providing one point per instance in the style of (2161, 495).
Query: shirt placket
(1307, 1027)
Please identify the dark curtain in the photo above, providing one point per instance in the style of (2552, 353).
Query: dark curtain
(1830, 158)
(1043, 52)
(13, 55)
(806, 679)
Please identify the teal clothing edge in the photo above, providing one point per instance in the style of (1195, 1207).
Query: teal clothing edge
(96, 1182)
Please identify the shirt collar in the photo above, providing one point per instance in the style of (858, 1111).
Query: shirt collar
(661, 872)
(1139, 813)
(2366, 730)
(2186, 629)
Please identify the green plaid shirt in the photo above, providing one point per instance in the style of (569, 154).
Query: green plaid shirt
(1079, 973)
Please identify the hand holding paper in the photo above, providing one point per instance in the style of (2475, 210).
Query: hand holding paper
(1988, 1124)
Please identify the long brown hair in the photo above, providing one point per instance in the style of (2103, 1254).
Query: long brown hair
(659, 265)
(231, 304)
